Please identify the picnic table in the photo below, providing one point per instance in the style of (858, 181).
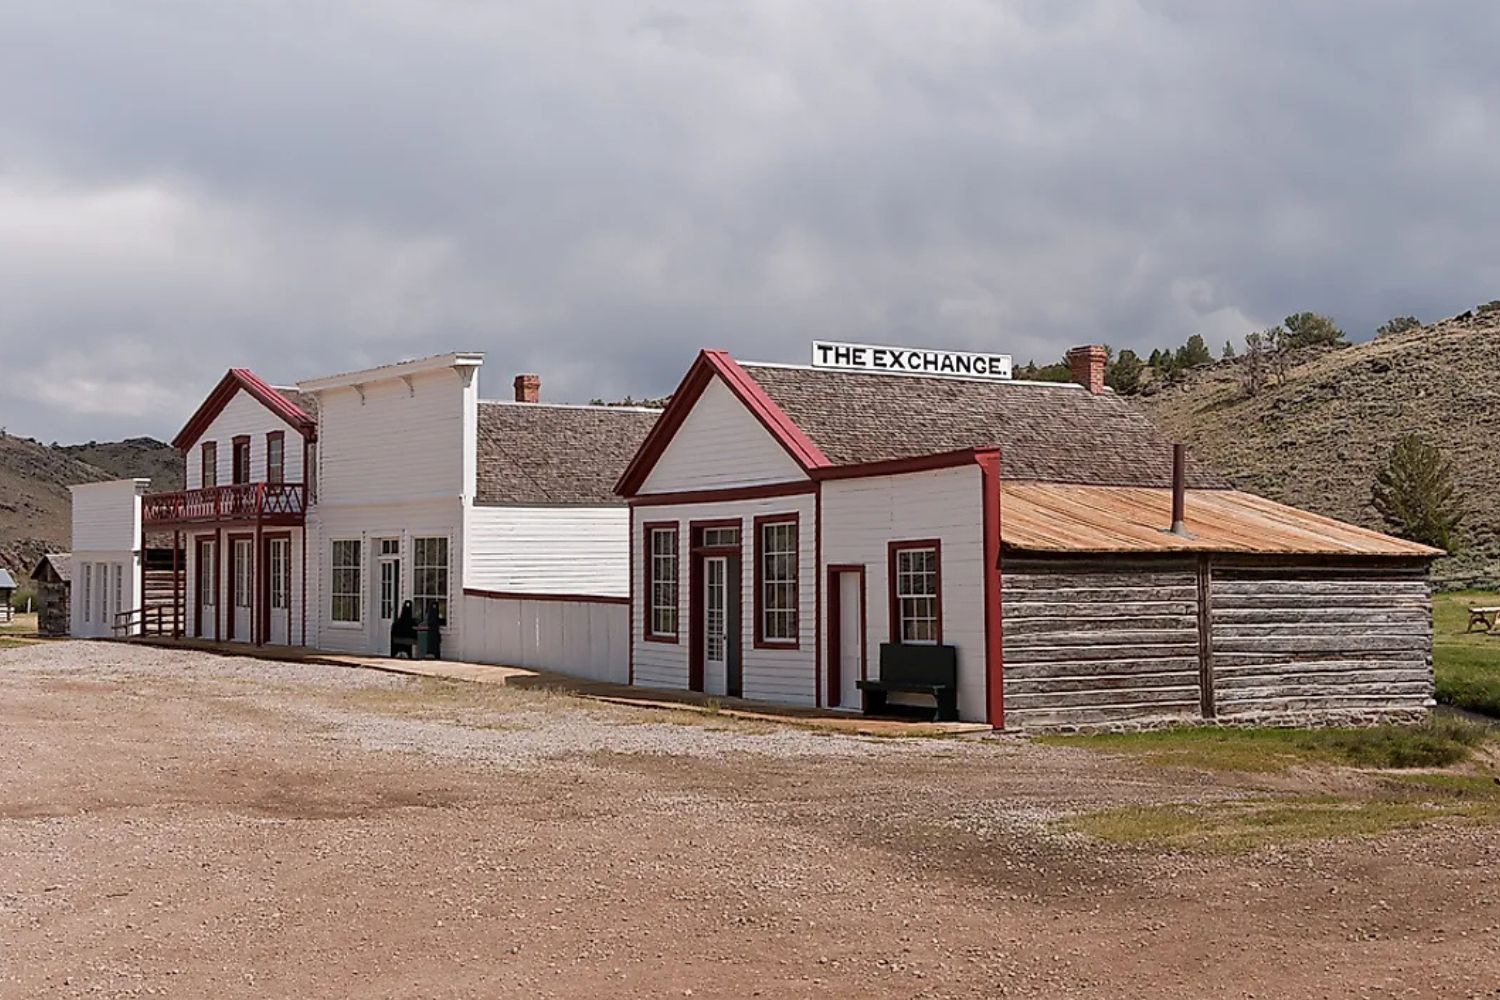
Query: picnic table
(1484, 618)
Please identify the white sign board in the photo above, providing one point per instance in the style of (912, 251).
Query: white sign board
(910, 361)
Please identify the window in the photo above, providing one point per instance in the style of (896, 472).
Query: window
(88, 592)
(720, 537)
(280, 565)
(661, 585)
(276, 457)
(206, 575)
(240, 468)
(916, 592)
(429, 563)
(345, 582)
(208, 475)
(776, 581)
(102, 571)
(119, 588)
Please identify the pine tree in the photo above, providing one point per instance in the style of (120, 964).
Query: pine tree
(1397, 324)
(1124, 376)
(1193, 353)
(1417, 496)
(1228, 354)
(1309, 329)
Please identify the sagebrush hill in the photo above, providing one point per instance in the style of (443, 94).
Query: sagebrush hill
(35, 509)
(1317, 439)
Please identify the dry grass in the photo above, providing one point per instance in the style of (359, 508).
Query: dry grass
(1250, 824)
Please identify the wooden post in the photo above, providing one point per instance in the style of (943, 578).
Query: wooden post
(1205, 637)
(218, 582)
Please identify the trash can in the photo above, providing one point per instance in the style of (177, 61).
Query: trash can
(424, 643)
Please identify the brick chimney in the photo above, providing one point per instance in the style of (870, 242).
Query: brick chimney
(1088, 366)
(528, 388)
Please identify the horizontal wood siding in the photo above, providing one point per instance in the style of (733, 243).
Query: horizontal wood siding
(1089, 644)
(720, 445)
(549, 550)
(245, 415)
(581, 639)
(1289, 642)
(786, 676)
(397, 443)
(862, 516)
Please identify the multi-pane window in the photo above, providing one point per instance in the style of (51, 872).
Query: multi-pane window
(280, 566)
(661, 621)
(276, 457)
(719, 537)
(429, 564)
(916, 599)
(103, 574)
(119, 588)
(240, 466)
(206, 575)
(345, 581)
(88, 592)
(209, 469)
(776, 558)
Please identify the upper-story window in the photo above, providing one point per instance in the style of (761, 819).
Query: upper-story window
(276, 457)
(209, 471)
(241, 467)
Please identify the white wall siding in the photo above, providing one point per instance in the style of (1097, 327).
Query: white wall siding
(369, 523)
(190, 589)
(579, 638)
(862, 516)
(106, 536)
(107, 516)
(397, 443)
(720, 445)
(776, 675)
(244, 415)
(549, 550)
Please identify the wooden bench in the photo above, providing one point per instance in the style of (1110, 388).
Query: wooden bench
(929, 670)
(1485, 618)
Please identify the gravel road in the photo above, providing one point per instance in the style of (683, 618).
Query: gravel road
(178, 824)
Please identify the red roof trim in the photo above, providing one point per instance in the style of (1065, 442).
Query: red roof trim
(708, 364)
(899, 466)
(233, 381)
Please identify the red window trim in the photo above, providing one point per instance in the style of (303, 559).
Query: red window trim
(647, 634)
(279, 470)
(761, 642)
(207, 463)
(234, 458)
(894, 622)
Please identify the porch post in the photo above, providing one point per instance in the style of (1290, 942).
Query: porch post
(177, 609)
(256, 571)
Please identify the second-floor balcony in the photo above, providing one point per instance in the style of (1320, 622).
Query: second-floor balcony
(245, 503)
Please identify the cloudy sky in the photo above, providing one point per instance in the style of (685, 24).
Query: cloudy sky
(595, 190)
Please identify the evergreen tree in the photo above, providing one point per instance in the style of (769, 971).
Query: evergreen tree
(1417, 496)
(1397, 324)
(1193, 353)
(1309, 329)
(1124, 376)
(1228, 354)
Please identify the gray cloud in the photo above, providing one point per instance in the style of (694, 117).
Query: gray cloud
(594, 191)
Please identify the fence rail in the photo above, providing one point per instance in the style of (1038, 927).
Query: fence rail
(158, 620)
(237, 502)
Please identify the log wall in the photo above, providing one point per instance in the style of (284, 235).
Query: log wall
(1135, 643)
(1099, 644)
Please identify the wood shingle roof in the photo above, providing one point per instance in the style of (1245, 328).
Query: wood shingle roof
(537, 453)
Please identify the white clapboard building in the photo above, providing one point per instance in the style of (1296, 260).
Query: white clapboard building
(797, 530)
(311, 514)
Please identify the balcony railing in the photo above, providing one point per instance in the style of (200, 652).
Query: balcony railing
(278, 503)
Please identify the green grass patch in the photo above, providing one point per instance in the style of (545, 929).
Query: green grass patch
(1435, 744)
(1466, 664)
(12, 643)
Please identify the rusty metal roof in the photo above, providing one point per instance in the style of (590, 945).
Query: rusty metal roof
(1054, 517)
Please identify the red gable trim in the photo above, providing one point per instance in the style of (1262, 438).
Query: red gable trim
(233, 381)
(708, 365)
(899, 466)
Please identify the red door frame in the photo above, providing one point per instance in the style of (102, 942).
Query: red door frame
(836, 634)
(201, 542)
(696, 553)
(230, 626)
(263, 598)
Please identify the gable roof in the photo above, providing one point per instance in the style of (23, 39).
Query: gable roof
(541, 453)
(1048, 432)
(7, 582)
(61, 563)
(236, 379)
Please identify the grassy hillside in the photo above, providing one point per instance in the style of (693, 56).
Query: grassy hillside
(1317, 440)
(35, 515)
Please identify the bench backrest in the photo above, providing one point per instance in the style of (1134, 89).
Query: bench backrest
(902, 664)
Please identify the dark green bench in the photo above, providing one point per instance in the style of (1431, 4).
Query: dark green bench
(929, 670)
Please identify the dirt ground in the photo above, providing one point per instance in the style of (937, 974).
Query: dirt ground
(183, 825)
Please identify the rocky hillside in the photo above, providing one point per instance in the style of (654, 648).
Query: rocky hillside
(1317, 440)
(35, 515)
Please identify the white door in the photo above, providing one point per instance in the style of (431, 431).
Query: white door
(715, 624)
(387, 592)
(208, 598)
(243, 573)
(279, 582)
(851, 639)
